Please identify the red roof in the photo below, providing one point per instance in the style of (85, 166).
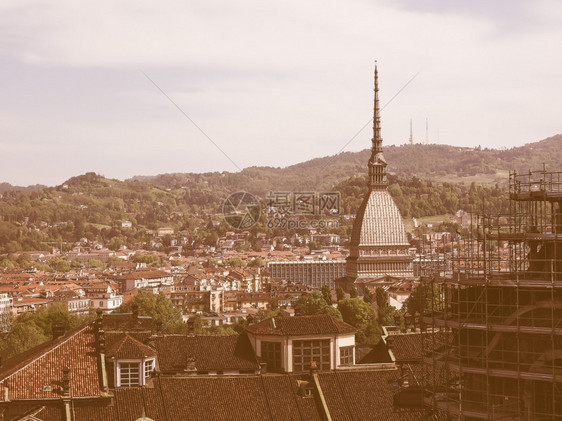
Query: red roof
(128, 347)
(37, 373)
(320, 324)
(210, 352)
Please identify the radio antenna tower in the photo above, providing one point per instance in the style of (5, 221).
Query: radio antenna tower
(411, 140)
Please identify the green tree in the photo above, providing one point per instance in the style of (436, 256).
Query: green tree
(264, 314)
(314, 303)
(59, 264)
(32, 329)
(363, 317)
(353, 292)
(384, 309)
(327, 294)
(367, 297)
(235, 262)
(7, 263)
(257, 262)
(24, 261)
(148, 259)
(425, 297)
(22, 337)
(95, 263)
(340, 294)
(111, 260)
(166, 318)
(211, 263)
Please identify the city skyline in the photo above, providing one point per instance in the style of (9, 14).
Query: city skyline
(270, 86)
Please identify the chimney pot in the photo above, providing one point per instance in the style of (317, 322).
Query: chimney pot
(65, 381)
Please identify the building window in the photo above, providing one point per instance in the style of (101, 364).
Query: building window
(314, 350)
(129, 374)
(346, 355)
(271, 354)
(148, 368)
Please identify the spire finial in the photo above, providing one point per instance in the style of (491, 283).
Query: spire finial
(377, 140)
(377, 163)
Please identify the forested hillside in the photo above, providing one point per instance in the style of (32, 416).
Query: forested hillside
(434, 162)
(426, 180)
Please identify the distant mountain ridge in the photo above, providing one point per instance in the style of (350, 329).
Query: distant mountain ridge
(5, 187)
(434, 162)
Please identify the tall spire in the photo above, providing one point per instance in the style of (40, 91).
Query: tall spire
(377, 139)
(377, 163)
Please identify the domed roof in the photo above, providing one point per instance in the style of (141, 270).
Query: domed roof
(378, 222)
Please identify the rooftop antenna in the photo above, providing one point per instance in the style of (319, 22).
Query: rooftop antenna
(411, 140)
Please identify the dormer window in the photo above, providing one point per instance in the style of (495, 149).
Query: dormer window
(134, 373)
(148, 369)
(128, 374)
(133, 361)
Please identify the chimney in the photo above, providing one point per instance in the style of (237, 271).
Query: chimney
(416, 321)
(58, 330)
(101, 341)
(313, 367)
(389, 343)
(65, 382)
(190, 364)
(191, 326)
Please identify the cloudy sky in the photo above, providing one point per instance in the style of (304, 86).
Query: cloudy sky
(89, 85)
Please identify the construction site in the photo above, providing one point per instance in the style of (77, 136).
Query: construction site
(498, 298)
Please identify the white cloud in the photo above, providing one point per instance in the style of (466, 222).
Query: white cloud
(271, 83)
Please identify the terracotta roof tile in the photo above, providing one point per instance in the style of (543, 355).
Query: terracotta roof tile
(211, 352)
(38, 373)
(128, 347)
(319, 324)
(363, 395)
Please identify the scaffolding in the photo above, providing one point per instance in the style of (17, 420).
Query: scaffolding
(501, 301)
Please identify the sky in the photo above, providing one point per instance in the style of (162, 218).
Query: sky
(138, 87)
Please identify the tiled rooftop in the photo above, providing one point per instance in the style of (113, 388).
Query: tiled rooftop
(128, 347)
(320, 324)
(210, 352)
(37, 374)
(354, 396)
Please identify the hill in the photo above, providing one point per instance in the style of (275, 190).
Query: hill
(427, 180)
(439, 163)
